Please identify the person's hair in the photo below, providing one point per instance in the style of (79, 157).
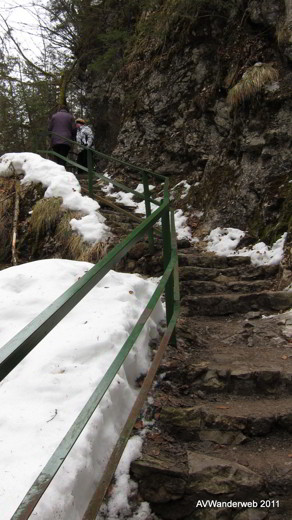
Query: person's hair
(62, 107)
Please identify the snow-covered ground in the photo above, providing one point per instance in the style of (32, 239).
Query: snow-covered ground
(181, 227)
(42, 396)
(224, 241)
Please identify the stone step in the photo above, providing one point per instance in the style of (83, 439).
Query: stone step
(264, 370)
(223, 274)
(210, 260)
(269, 458)
(176, 486)
(191, 287)
(244, 380)
(224, 304)
(229, 420)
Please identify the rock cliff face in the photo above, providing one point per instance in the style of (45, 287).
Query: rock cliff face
(205, 96)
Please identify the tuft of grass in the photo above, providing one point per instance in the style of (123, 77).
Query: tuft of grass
(284, 33)
(70, 243)
(252, 81)
(63, 228)
(73, 245)
(95, 252)
(45, 216)
(162, 20)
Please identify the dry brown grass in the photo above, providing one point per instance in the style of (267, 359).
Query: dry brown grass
(73, 245)
(252, 82)
(48, 227)
(7, 195)
(70, 243)
(45, 216)
(6, 207)
(63, 227)
(157, 22)
(93, 253)
(230, 78)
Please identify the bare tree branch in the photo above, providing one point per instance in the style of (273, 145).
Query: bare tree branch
(26, 59)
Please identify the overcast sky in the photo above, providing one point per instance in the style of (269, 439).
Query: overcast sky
(22, 17)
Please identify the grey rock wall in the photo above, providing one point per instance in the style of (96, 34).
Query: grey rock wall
(169, 112)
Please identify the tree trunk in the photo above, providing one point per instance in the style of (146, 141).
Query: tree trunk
(65, 80)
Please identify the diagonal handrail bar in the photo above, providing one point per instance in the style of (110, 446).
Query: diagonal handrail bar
(113, 461)
(98, 496)
(145, 173)
(89, 170)
(111, 158)
(100, 176)
(43, 480)
(24, 341)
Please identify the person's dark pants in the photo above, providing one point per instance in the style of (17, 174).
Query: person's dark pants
(82, 158)
(62, 149)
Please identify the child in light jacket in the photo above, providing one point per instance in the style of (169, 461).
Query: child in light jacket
(84, 135)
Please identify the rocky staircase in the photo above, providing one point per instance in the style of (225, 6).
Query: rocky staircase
(218, 445)
(222, 403)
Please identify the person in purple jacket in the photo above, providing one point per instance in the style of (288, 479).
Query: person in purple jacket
(63, 124)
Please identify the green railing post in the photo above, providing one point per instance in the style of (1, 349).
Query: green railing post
(90, 172)
(148, 209)
(176, 291)
(169, 288)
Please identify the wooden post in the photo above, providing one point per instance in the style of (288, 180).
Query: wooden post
(15, 222)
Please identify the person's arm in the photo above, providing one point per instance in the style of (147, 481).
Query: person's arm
(73, 129)
(89, 137)
(78, 136)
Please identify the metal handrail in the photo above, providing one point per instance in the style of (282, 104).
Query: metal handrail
(22, 343)
(98, 175)
(93, 151)
(13, 352)
(98, 496)
(89, 170)
(111, 158)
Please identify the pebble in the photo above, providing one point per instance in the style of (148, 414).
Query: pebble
(252, 315)
(248, 324)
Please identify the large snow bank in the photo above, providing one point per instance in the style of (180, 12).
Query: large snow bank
(40, 399)
(59, 183)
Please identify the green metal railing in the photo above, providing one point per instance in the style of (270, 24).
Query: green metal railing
(91, 152)
(13, 352)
